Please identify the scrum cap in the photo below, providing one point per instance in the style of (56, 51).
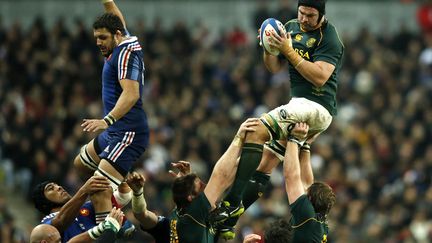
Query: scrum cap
(317, 4)
(40, 201)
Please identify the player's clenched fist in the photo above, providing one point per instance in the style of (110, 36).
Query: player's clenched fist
(136, 182)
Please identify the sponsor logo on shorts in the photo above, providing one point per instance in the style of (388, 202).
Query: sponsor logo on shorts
(283, 114)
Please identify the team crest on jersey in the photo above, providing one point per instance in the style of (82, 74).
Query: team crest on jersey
(106, 150)
(310, 42)
(84, 212)
(298, 37)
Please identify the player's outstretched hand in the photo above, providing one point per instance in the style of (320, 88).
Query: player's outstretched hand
(135, 181)
(252, 238)
(182, 166)
(300, 130)
(94, 125)
(247, 126)
(95, 184)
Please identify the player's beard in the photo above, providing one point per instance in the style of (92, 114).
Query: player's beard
(109, 48)
(308, 27)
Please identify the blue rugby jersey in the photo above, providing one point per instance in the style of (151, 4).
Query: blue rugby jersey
(125, 62)
(83, 222)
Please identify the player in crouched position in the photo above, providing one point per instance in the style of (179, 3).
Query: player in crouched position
(72, 215)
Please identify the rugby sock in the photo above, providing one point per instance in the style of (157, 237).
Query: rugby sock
(249, 161)
(100, 217)
(254, 190)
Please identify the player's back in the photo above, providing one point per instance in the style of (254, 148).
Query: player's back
(307, 226)
(83, 222)
(190, 225)
(126, 62)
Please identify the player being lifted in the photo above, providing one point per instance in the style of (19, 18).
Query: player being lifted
(125, 132)
(314, 53)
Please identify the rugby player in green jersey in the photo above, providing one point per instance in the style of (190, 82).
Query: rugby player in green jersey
(310, 202)
(189, 222)
(314, 52)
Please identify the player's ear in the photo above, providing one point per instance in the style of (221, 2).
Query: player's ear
(117, 36)
(190, 198)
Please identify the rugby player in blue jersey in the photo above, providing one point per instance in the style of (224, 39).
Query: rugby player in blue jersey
(71, 215)
(124, 130)
(74, 215)
(46, 233)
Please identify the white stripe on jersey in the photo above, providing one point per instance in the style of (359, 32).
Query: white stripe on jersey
(49, 216)
(124, 55)
(120, 147)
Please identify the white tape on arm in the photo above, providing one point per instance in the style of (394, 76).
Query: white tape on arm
(139, 204)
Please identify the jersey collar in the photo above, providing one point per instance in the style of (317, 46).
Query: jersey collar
(129, 40)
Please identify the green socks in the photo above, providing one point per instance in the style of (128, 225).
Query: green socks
(249, 161)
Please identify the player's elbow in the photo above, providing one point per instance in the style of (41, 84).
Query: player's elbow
(319, 82)
(133, 97)
(292, 176)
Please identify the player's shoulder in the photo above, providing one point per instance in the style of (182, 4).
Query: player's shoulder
(330, 31)
(291, 23)
(329, 27)
(131, 44)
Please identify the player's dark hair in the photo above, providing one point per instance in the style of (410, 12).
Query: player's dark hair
(317, 4)
(111, 22)
(40, 201)
(322, 197)
(280, 231)
(182, 188)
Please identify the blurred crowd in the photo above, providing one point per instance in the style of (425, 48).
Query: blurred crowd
(377, 154)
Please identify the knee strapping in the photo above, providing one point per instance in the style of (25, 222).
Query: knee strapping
(114, 182)
(86, 159)
(276, 148)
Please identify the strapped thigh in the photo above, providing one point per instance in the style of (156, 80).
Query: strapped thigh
(114, 182)
(276, 148)
(86, 159)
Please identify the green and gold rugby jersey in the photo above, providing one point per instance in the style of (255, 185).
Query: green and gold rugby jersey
(322, 44)
(190, 225)
(307, 228)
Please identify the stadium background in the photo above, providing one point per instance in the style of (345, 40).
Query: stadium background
(204, 76)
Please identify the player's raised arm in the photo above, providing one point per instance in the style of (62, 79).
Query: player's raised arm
(111, 7)
(307, 176)
(147, 218)
(70, 210)
(226, 167)
(292, 172)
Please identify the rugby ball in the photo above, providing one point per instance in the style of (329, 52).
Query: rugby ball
(270, 25)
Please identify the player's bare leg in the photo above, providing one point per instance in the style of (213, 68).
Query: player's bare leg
(102, 199)
(87, 161)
